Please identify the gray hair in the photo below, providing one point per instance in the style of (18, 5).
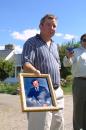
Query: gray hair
(47, 16)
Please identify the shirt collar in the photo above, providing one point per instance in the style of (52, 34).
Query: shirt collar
(37, 89)
(39, 37)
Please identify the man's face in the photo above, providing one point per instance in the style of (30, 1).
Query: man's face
(35, 83)
(84, 42)
(48, 28)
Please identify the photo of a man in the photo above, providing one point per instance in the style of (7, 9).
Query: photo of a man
(38, 95)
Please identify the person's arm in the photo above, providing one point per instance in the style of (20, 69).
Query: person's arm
(28, 67)
(48, 98)
(45, 98)
(28, 56)
(67, 60)
(31, 100)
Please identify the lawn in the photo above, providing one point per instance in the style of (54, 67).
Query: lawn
(9, 88)
(67, 89)
(13, 88)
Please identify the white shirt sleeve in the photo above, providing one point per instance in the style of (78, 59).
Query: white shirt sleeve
(67, 62)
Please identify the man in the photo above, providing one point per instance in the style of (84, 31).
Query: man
(40, 56)
(77, 59)
(38, 95)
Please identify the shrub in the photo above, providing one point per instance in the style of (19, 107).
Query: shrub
(6, 69)
(9, 88)
(67, 82)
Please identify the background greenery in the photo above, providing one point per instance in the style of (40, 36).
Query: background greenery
(7, 70)
(9, 88)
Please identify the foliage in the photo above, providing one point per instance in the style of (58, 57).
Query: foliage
(6, 69)
(67, 81)
(9, 88)
(67, 84)
(68, 89)
(62, 53)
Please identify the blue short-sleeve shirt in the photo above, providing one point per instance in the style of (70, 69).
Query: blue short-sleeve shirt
(44, 58)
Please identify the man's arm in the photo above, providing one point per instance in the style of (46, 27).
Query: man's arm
(28, 67)
(28, 56)
(67, 60)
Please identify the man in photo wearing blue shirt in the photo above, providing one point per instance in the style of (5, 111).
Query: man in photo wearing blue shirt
(38, 95)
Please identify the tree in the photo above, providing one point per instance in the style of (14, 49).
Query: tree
(6, 69)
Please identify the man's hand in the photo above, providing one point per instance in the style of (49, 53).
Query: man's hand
(69, 54)
(37, 72)
(45, 105)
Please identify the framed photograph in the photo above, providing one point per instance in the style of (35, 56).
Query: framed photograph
(37, 93)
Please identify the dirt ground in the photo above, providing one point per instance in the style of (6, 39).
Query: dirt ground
(12, 118)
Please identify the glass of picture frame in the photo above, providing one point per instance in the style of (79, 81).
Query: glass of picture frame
(37, 93)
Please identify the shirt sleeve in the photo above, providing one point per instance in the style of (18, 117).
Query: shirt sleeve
(28, 53)
(67, 62)
(56, 55)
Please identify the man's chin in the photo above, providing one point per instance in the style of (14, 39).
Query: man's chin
(52, 34)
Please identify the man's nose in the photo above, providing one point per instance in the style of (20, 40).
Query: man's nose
(53, 28)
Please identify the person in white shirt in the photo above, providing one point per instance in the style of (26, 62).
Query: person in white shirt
(77, 59)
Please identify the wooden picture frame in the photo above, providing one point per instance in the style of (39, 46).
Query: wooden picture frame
(40, 103)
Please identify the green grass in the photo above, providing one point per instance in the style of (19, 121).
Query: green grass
(8, 88)
(67, 89)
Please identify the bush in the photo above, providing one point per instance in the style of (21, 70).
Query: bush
(9, 88)
(6, 69)
(67, 89)
(67, 81)
(67, 84)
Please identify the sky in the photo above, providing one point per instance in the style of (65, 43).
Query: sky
(19, 20)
